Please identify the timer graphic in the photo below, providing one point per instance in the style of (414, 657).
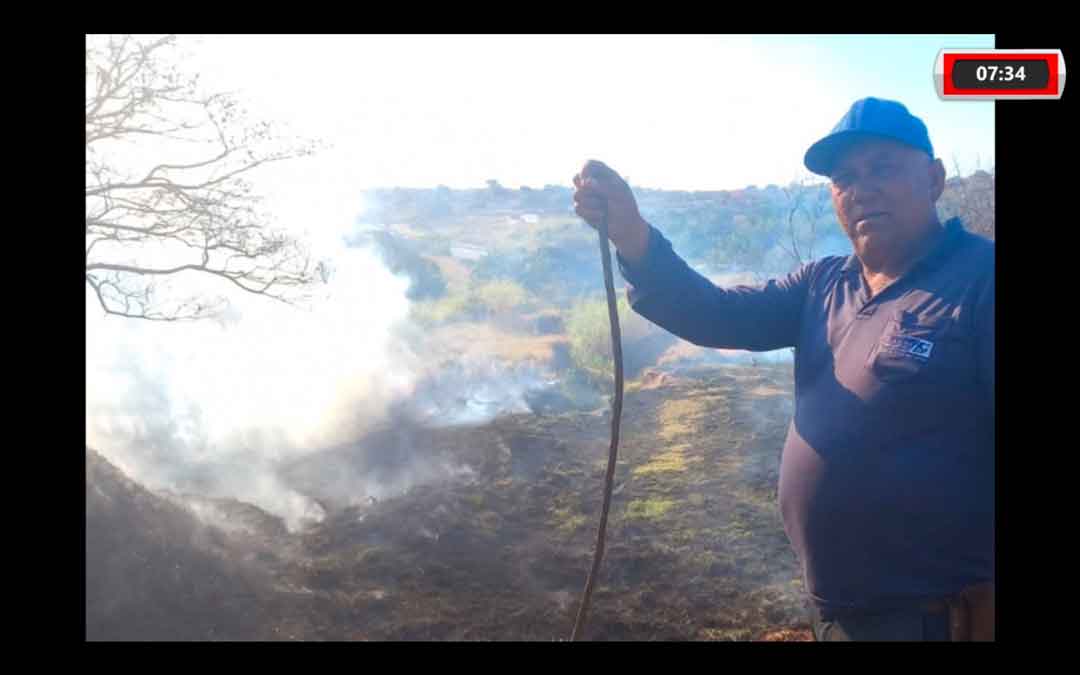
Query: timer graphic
(999, 74)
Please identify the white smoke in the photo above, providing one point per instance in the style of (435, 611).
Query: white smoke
(476, 389)
(215, 406)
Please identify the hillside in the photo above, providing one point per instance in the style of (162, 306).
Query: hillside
(767, 230)
(501, 451)
(155, 571)
(499, 551)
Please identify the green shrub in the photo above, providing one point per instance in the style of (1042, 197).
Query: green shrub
(453, 306)
(499, 296)
(589, 329)
(478, 302)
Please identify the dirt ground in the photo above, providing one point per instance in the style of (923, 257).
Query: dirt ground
(695, 546)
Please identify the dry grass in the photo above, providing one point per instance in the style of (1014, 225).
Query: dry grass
(788, 635)
(765, 390)
(680, 418)
(484, 340)
(453, 270)
(649, 509)
(673, 460)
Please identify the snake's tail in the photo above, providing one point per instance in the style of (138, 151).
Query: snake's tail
(616, 415)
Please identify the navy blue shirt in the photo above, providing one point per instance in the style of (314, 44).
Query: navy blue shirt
(887, 473)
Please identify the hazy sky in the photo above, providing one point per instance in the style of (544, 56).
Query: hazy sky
(674, 112)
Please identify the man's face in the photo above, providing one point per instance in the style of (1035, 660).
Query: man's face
(884, 194)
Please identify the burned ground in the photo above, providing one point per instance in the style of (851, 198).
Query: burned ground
(496, 546)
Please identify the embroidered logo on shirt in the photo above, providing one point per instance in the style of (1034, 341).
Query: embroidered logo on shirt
(909, 346)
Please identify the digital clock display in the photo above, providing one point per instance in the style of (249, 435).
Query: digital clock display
(1000, 73)
(990, 74)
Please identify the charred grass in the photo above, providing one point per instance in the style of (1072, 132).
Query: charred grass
(695, 547)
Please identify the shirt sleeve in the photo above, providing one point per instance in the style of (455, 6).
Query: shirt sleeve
(665, 290)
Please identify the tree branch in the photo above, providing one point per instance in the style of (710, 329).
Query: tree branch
(198, 213)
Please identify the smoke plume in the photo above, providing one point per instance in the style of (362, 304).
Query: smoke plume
(214, 406)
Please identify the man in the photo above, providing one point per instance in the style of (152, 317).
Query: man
(887, 474)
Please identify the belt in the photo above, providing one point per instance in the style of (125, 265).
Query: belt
(971, 612)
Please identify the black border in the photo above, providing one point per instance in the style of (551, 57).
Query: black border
(1033, 206)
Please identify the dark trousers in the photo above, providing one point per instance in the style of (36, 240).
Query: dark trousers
(901, 625)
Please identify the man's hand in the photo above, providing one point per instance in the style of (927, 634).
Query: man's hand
(598, 188)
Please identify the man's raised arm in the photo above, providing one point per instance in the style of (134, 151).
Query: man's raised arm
(669, 293)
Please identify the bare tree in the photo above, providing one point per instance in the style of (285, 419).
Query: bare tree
(804, 206)
(970, 198)
(794, 195)
(166, 190)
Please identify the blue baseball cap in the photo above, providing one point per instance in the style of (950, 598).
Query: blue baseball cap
(868, 118)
